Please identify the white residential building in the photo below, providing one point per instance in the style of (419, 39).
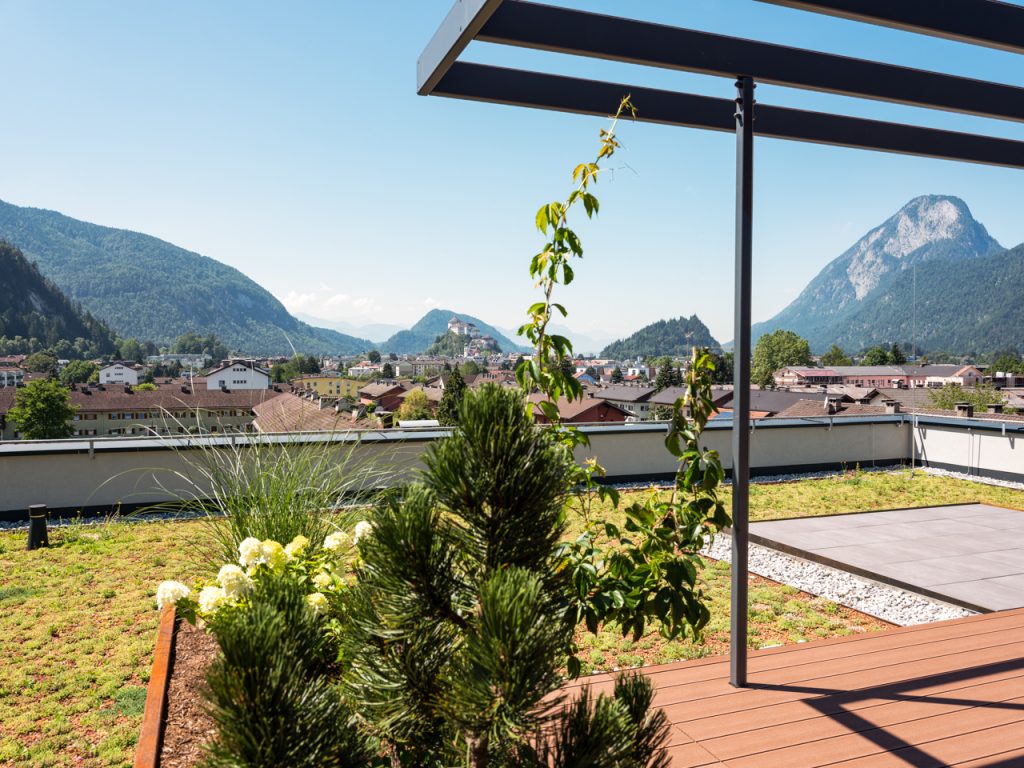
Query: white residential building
(238, 374)
(121, 373)
(11, 377)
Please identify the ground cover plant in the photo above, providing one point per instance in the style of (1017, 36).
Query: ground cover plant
(77, 628)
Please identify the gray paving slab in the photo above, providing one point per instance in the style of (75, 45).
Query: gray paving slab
(969, 554)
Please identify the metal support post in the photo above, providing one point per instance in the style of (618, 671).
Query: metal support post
(741, 378)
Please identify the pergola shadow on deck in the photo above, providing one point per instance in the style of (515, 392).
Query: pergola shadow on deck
(944, 694)
(550, 28)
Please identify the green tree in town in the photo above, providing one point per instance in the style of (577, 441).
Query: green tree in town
(415, 406)
(146, 386)
(1006, 362)
(667, 375)
(374, 356)
(592, 372)
(470, 368)
(131, 349)
(723, 373)
(835, 356)
(192, 344)
(41, 362)
(43, 411)
(896, 356)
(451, 400)
(875, 356)
(980, 397)
(77, 372)
(387, 372)
(776, 350)
(568, 369)
(616, 377)
(308, 364)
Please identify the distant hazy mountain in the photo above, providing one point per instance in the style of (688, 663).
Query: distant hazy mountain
(153, 290)
(929, 230)
(375, 332)
(31, 306)
(434, 324)
(675, 337)
(582, 343)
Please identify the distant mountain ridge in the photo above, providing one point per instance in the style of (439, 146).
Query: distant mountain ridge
(31, 306)
(147, 288)
(931, 229)
(420, 336)
(676, 337)
(375, 332)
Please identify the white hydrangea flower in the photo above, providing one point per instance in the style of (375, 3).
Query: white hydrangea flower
(335, 541)
(323, 580)
(234, 581)
(249, 552)
(296, 547)
(273, 554)
(170, 592)
(363, 528)
(211, 599)
(318, 602)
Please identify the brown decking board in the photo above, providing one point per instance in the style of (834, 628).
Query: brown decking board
(943, 694)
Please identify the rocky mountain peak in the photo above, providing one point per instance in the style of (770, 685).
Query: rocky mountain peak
(929, 228)
(924, 228)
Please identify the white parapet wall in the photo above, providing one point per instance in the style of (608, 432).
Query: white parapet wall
(984, 448)
(103, 473)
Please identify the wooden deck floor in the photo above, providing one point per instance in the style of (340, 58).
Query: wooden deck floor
(943, 694)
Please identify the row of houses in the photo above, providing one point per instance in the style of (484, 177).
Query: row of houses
(173, 408)
(896, 376)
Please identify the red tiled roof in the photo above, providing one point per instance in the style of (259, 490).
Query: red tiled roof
(289, 413)
(114, 398)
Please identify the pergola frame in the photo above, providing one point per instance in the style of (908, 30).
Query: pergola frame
(543, 27)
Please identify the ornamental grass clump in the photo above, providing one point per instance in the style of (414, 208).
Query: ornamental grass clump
(252, 486)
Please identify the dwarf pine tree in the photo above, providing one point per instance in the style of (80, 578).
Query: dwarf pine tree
(462, 620)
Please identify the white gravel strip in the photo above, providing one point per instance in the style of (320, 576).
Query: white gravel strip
(972, 478)
(882, 601)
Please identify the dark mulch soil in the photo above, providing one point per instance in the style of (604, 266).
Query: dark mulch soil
(188, 725)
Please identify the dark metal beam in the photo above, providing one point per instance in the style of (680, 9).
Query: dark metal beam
(499, 85)
(741, 379)
(457, 31)
(562, 30)
(979, 22)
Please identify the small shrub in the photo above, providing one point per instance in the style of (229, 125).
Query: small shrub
(270, 694)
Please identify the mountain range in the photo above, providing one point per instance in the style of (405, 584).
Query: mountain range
(966, 286)
(147, 288)
(866, 295)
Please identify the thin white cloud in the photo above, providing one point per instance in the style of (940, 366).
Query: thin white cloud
(329, 304)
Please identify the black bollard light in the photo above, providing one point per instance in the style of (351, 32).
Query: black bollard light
(38, 536)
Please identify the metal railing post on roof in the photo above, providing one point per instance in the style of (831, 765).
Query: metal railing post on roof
(741, 379)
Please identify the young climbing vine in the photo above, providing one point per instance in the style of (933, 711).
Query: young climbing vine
(647, 572)
(552, 267)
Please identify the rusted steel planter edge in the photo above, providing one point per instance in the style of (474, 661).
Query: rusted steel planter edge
(147, 752)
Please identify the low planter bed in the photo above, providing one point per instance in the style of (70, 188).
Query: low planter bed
(175, 724)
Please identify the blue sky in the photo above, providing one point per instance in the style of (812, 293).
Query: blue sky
(287, 140)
